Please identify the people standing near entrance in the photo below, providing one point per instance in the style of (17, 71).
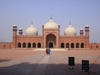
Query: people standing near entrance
(46, 50)
(49, 50)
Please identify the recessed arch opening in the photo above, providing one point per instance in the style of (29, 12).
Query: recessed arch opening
(51, 41)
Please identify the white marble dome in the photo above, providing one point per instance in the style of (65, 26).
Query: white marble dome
(31, 30)
(51, 24)
(70, 31)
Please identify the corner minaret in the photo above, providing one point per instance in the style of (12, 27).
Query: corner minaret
(81, 32)
(20, 31)
(87, 30)
(14, 36)
(87, 36)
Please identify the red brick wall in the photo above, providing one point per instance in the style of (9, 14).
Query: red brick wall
(30, 39)
(73, 39)
(5, 45)
(94, 45)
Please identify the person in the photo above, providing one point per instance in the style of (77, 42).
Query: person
(46, 50)
(49, 50)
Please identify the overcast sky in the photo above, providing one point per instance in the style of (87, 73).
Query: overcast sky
(23, 12)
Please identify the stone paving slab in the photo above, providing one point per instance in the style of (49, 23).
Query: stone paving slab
(20, 66)
(38, 63)
(40, 69)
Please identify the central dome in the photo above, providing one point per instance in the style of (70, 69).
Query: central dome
(51, 24)
(70, 31)
(31, 30)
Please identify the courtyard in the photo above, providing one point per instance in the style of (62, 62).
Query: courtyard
(37, 62)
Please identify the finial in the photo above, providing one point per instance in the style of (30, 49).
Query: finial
(51, 17)
(70, 23)
(32, 23)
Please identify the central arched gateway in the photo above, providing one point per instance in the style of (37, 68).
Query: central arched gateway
(50, 41)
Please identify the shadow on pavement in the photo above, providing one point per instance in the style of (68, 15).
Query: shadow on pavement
(1, 60)
(51, 69)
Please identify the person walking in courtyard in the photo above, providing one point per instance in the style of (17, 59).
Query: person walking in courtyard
(46, 50)
(49, 50)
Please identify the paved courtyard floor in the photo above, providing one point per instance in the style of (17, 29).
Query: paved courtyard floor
(37, 62)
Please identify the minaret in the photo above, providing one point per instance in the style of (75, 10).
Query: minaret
(87, 36)
(87, 30)
(14, 36)
(20, 31)
(81, 32)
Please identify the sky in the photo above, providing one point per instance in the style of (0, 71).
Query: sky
(24, 12)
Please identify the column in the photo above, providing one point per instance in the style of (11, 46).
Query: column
(79, 45)
(74, 45)
(69, 45)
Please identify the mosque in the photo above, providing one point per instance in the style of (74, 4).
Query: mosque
(50, 38)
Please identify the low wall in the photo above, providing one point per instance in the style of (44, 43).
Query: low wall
(5, 45)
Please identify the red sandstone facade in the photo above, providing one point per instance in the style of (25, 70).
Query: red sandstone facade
(50, 38)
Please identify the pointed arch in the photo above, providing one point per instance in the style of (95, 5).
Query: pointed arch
(72, 45)
(62, 45)
(50, 44)
(67, 45)
(39, 45)
(29, 45)
(34, 45)
(51, 38)
(19, 45)
(4, 46)
(77, 45)
(10, 46)
(82, 45)
(97, 46)
(24, 45)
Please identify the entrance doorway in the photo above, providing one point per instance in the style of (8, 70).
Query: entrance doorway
(50, 41)
(50, 44)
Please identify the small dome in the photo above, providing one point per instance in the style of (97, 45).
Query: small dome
(14, 25)
(87, 26)
(20, 28)
(51, 24)
(81, 29)
(70, 31)
(31, 30)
